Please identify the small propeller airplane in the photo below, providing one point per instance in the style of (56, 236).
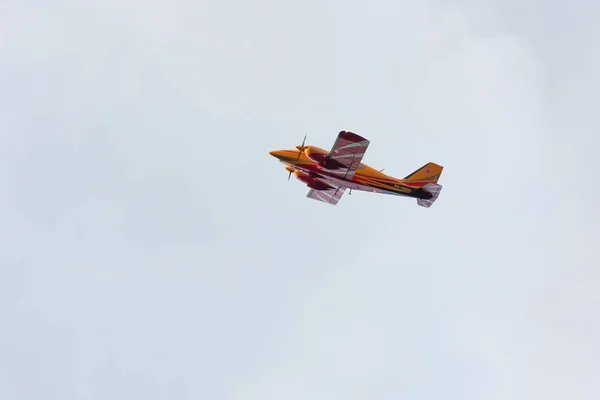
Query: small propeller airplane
(329, 173)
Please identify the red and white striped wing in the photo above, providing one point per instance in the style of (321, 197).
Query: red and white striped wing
(331, 196)
(348, 151)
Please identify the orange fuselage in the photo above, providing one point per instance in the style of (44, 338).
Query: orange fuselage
(307, 167)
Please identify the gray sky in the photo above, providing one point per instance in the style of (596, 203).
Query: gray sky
(151, 247)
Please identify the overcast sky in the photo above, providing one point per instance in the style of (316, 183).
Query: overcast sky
(152, 249)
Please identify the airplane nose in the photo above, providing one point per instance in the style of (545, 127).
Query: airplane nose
(276, 154)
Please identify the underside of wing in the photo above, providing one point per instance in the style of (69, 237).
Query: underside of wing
(331, 196)
(347, 153)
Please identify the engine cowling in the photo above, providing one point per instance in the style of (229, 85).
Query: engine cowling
(316, 154)
(313, 182)
(320, 156)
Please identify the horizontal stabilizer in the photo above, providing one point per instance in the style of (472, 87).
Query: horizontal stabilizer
(435, 190)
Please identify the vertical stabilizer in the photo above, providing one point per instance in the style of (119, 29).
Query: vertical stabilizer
(429, 173)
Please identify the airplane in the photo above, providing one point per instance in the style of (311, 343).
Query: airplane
(328, 174)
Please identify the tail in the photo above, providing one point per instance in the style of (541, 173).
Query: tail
(429, 173)
(432, 188)
(426, 178)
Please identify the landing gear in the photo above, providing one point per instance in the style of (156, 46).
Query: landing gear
(350, 192)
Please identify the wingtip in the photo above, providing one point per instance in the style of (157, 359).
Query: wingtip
(349, 135)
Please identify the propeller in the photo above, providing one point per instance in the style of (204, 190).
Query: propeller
(301, 148)
(291, 170)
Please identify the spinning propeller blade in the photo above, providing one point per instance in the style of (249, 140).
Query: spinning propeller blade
(291, 170)
(301, 148)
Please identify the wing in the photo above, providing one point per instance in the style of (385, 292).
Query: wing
(347, 152)
(331, 196)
